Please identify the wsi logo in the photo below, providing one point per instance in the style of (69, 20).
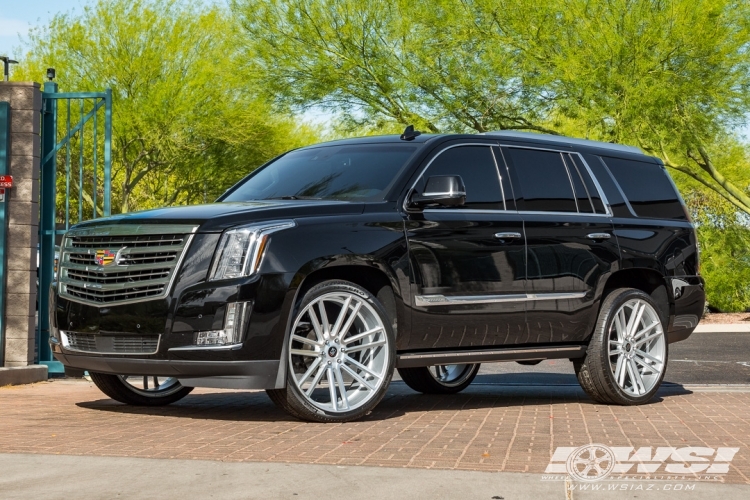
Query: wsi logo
(594, 462)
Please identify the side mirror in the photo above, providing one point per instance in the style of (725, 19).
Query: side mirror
(441, 190)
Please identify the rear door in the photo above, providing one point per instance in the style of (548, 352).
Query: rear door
(570, 243)
(468, 263)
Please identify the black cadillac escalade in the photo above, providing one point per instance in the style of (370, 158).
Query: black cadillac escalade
(332, 265)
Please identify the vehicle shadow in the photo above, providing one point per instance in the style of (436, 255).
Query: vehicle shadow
(488, 391)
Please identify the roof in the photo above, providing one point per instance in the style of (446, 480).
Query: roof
(376, 139)
(508, 134)
(561, 139)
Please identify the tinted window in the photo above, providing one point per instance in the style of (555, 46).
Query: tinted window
(647, 187)
(542, 180)
(476, 166)
(582, 194)
(589, 184)
(357, 172)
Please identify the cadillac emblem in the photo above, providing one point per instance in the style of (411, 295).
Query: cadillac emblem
(104, 257)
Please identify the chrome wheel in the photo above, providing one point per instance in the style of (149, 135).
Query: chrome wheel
(151, 386)
(637, 347)
(452, 375)
(338, 352)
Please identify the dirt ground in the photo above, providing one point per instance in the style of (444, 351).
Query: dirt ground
(725, 318)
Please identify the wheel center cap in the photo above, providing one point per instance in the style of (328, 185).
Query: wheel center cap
(332, 351)
(627, 347)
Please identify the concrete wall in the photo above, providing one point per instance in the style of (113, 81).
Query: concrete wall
(25, 100)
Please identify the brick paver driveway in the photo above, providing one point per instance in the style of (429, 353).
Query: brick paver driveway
(486, 428)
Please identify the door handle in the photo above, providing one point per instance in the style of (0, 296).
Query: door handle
(599, 236)
(508, 236)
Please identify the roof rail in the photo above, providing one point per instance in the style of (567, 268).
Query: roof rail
(561, 139)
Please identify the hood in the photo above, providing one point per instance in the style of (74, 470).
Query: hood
(216, 217)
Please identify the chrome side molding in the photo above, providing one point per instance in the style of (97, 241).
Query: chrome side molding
(415, 359)
(442, 300)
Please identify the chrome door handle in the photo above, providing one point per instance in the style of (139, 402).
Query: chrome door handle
(599, 236)
(508, 236)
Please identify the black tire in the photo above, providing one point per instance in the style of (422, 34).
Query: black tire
(594, 371)
(119, 390)
(422, 380)
(291, 399)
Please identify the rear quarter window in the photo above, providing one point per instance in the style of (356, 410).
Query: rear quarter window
(647, 187)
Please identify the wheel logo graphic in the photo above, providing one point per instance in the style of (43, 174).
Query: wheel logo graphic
(332, 351)
(592, 462)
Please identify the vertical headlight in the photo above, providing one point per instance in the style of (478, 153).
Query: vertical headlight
(240, 250)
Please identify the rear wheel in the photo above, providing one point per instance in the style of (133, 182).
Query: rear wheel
(140, 390)
(627, 356)
(440, 379)
(341, 351)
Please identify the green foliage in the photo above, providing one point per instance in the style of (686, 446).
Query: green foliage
(670, 76)
(186, 123)
(725, 265)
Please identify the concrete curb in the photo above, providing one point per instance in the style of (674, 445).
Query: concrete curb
(23, 375)
(723, 328)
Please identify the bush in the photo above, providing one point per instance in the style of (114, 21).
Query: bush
(725, 265)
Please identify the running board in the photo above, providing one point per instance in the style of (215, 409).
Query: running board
(415, 359)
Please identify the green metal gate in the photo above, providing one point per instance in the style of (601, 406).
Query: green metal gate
(76, 158)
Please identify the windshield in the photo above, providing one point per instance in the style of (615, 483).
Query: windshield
(355, 172)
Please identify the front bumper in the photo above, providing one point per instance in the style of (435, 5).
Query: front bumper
(224, 374)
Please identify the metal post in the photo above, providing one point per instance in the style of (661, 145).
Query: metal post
(107, 152)
(4, 167)
(47, 209)
(80, 165)
(96, 164)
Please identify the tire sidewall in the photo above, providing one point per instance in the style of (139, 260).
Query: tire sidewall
(297, 400)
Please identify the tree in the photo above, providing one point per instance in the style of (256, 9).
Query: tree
(670, 76)
(186, 124)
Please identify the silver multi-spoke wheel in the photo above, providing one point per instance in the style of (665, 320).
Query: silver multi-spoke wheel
(439, 379)
(637, 352)
(626, 358)
(151, 386)
(141, 390)
(339, 355)
(451, 375)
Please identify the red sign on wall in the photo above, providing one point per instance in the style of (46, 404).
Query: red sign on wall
(6, 181)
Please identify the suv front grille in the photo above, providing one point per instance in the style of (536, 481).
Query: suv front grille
(111, 265)
(111, 344)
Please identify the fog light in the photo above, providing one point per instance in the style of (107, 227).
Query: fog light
(235, 321)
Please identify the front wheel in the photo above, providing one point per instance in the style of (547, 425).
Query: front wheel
(140, 390)
(626, 359)
(340, 355)
(439, 379)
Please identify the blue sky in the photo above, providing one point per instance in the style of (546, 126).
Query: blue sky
(17, 16)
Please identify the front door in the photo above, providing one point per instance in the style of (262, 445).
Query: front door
(468, 263)
(570, 247)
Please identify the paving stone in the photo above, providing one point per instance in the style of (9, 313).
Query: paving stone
(485, 428)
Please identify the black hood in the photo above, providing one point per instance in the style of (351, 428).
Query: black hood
(217, 217)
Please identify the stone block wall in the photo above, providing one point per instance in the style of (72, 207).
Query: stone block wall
(25, 100)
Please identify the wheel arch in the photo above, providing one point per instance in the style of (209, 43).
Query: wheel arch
(648, 281)
(369, 273)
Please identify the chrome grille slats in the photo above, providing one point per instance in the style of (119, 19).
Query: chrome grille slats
(140, 344)
(136, 241)
(138, 262)
(123, 277)
(82, 342)
(111, 344)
